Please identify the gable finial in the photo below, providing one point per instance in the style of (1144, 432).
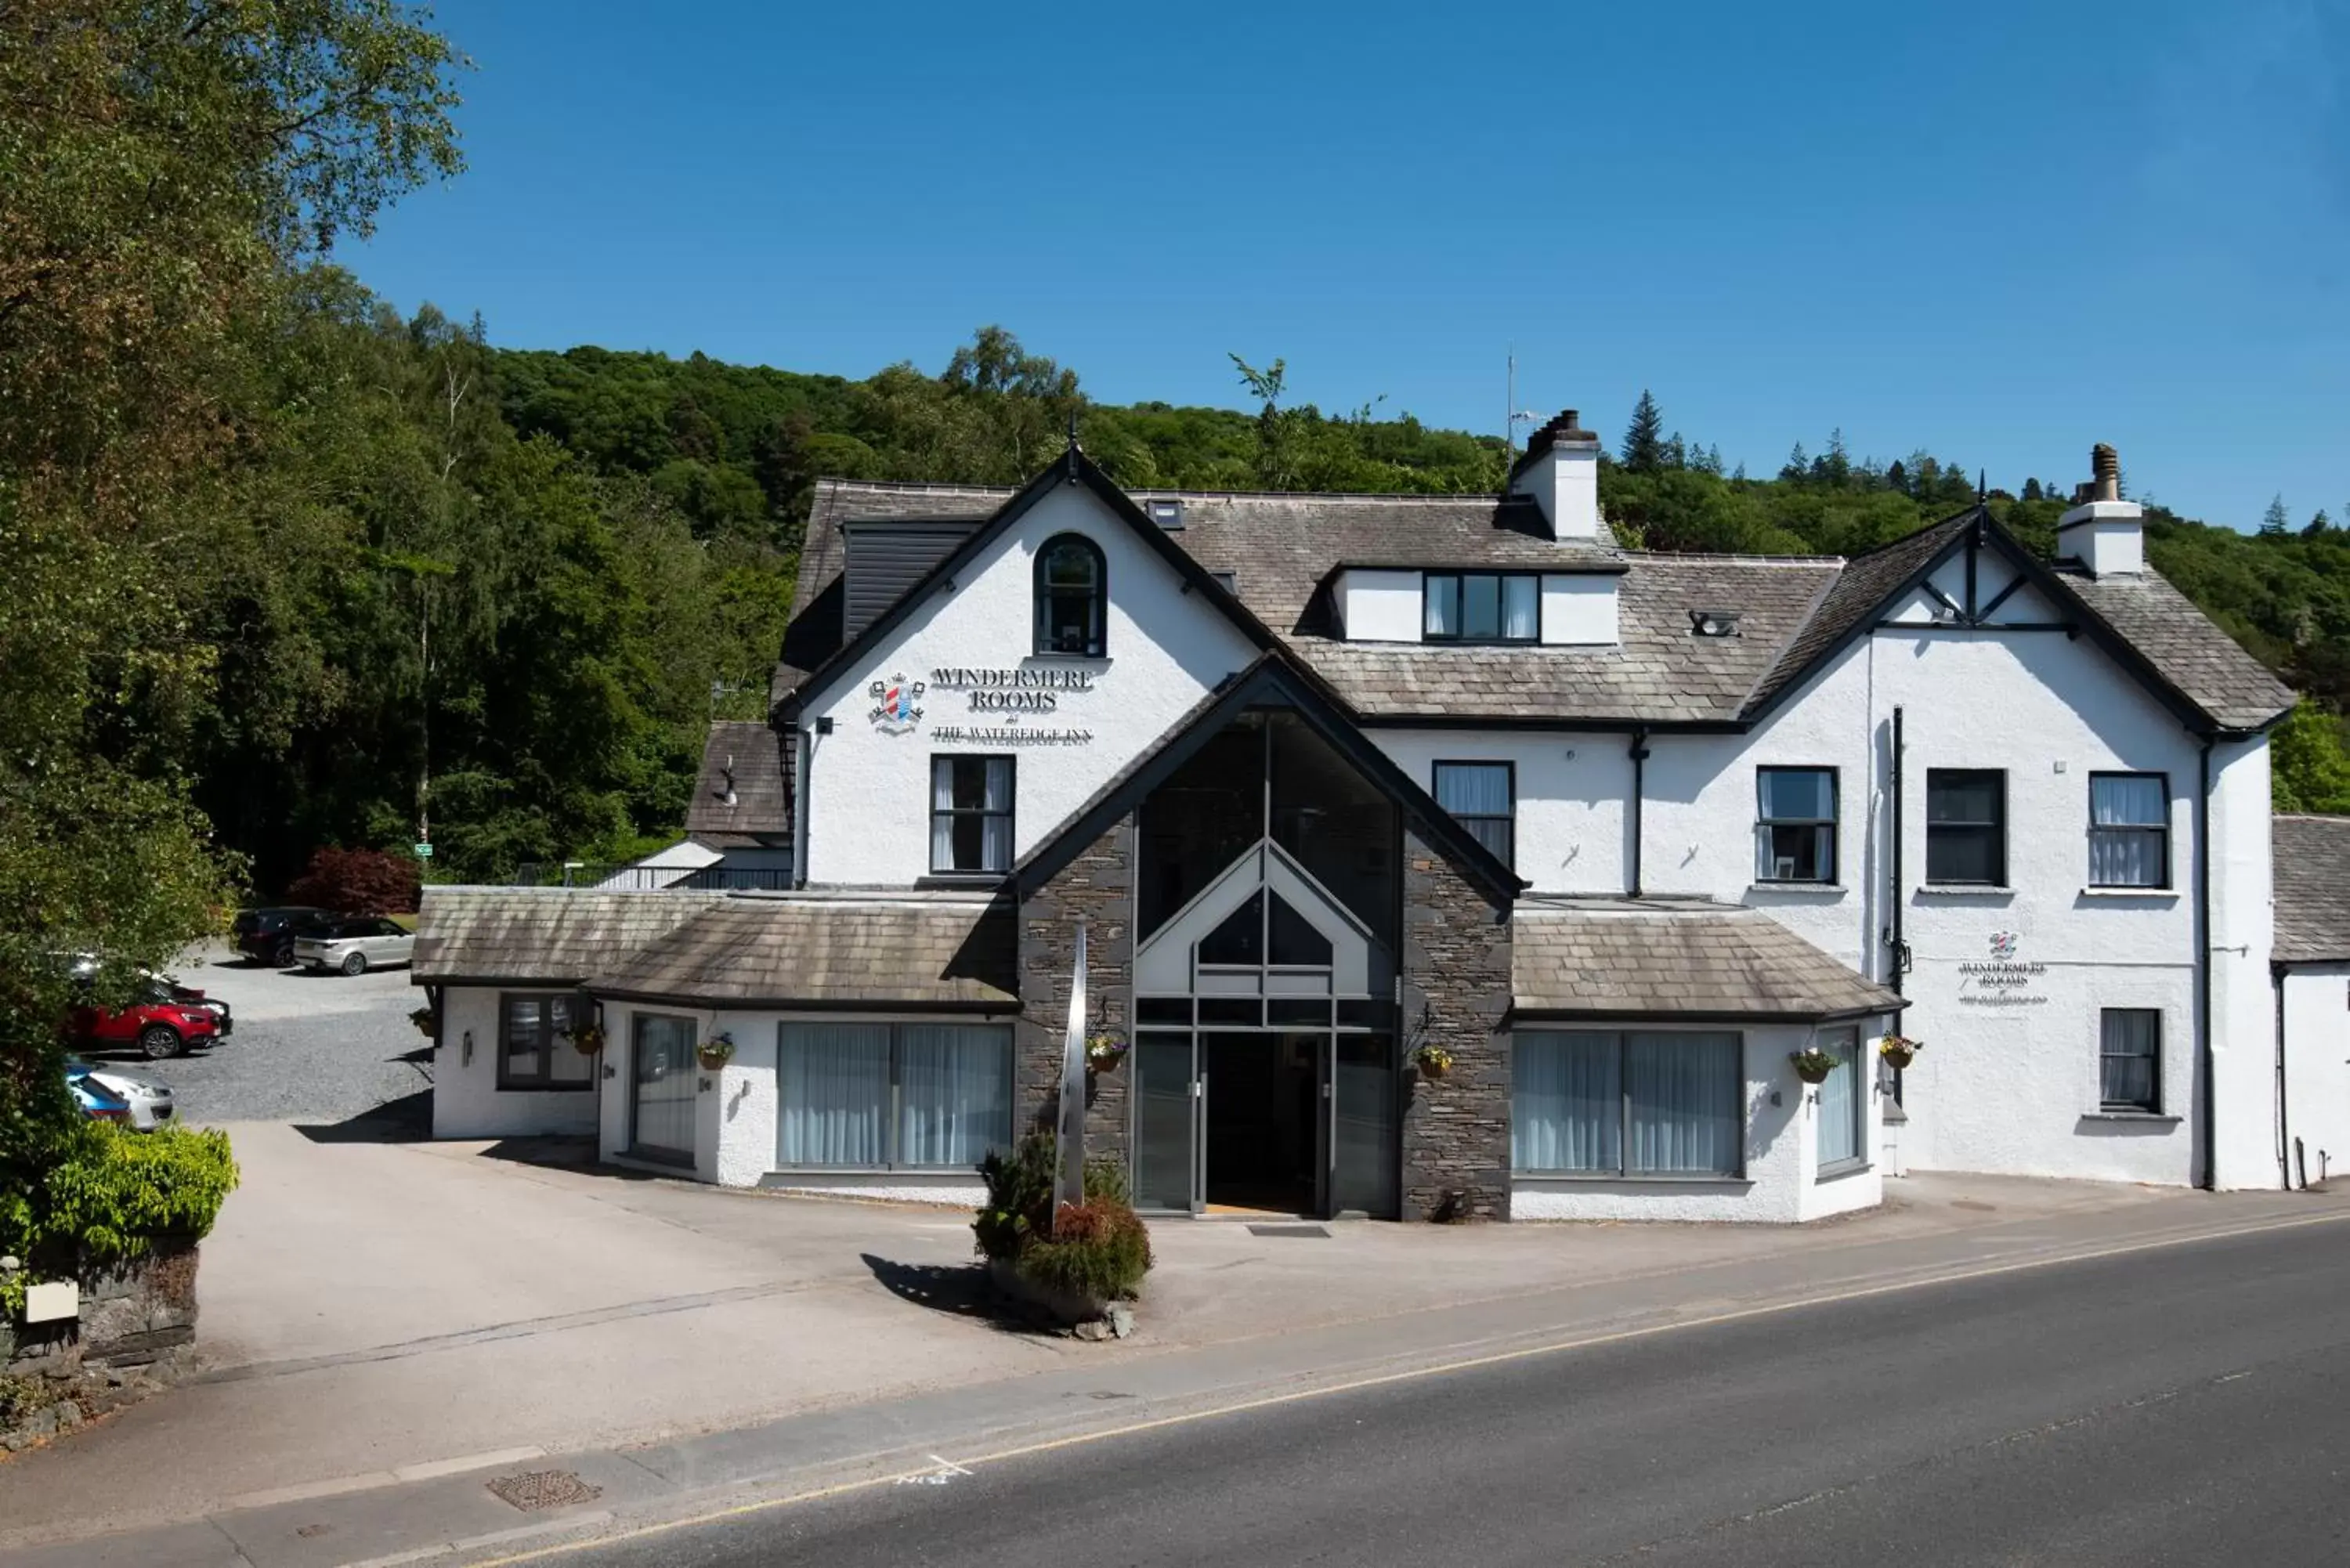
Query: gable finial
(1073, 446)
(1983, 489)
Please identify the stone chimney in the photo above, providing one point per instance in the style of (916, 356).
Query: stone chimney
(1560, 472)
(2104, 532)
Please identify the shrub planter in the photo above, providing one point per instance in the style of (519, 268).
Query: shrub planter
(588, 1039)
(1064, 1308)
(715, 1052)
(1899, 1051)
(1433, 1061)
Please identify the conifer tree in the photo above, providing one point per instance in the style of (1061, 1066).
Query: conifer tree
(1644, 438)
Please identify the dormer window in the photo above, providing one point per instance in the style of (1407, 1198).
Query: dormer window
(1481, 607)
(1072, 597)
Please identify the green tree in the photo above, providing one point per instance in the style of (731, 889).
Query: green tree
(2308, 770)
(2276, 520)
(165, 171)
(1644, 449)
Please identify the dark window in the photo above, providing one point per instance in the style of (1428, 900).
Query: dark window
(1796, 827)
(1481, 607)
(535, 1048)
(1966, 825)
(1072, 597)
(971, 813)
(1482, 798)
(2129, 830)
(1634, 1103)
(2130, 1059)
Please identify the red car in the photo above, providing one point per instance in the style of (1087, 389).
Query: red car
(167, 1021)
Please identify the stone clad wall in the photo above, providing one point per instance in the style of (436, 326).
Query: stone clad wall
(136, 1330)
(1099, 884)
(1456, 992)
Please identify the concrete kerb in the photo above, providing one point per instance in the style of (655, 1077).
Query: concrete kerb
(1118, 1390)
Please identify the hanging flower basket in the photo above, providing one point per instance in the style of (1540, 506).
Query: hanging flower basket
(1899, 1051)
(1105, 1049)
(588, 1039)
(1433, 1061)
(1813, 1065)
(427, 1021)
(715, 1052)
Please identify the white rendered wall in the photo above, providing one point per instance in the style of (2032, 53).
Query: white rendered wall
(1781, 1183)
(2317, 1067)
(1564, 483)
(2243, 995)
(1571, 822)
(466, 1099)
(1578, 609)
(868, 791)
(1379, 606)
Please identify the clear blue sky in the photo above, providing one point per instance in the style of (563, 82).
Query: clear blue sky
(2002, 231)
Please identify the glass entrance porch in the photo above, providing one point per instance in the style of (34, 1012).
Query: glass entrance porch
(1265, 1076)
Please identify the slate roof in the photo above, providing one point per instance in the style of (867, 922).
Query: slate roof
(1622, 958)
(761, 764)
(818, 951)
(2312, 859)
(2186, 645)
(1282, 549)
(562, 936)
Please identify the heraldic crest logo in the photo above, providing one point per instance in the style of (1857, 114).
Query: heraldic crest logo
(896, 704)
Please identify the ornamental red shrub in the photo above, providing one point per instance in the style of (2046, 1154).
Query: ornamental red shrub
(358, 882)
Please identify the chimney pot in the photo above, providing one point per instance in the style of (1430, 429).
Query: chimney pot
(2106, 463)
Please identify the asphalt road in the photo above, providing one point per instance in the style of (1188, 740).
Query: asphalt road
(2184, 1406)
(317, 1049)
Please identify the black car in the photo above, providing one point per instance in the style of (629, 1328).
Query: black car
(268, 934)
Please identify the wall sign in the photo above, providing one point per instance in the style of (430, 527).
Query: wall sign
(2003, 980)
(1003, 697)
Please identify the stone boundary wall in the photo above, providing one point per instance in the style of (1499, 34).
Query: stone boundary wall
(135, 1333)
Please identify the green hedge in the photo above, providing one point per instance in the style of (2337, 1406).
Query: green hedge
(111, 1196)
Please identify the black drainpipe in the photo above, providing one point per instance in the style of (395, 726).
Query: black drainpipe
(1639, 772)
(2205, 1059)
(2284, 1126)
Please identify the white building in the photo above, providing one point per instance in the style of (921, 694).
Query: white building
(1344, 785)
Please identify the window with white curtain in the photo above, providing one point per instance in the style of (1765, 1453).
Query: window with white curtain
(971, 813)
(1631, 1103)
(2130, 1059)
(2129, 830)
(1481, 797)
(892, 1096)
(1843, 1101)
(1481, 607)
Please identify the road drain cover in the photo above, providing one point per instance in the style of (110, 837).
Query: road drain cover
(534, 1489)
(1289, 1230)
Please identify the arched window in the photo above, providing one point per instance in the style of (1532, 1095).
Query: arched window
(1072, 597)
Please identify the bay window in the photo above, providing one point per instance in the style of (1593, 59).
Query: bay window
(1633, 1104)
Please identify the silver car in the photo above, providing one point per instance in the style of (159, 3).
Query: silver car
(150, 1103)
(354, 945)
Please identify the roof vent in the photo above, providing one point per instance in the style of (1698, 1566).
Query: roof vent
(1168, 514)
(1713, 623)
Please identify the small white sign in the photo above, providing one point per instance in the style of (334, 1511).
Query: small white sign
(424, 852)
(52, 1303)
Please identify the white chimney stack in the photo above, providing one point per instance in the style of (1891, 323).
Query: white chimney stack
(1560, 473)
(2105, 534)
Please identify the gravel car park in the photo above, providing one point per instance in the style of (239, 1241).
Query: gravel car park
(317, 1049)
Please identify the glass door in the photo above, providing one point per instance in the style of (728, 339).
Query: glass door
(1168, 1104)
(662, 1064)
(1362, 1136)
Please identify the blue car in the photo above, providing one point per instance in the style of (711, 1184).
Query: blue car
(98, 1102)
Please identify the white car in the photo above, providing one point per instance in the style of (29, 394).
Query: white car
(149, 1104)
(354, 945)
